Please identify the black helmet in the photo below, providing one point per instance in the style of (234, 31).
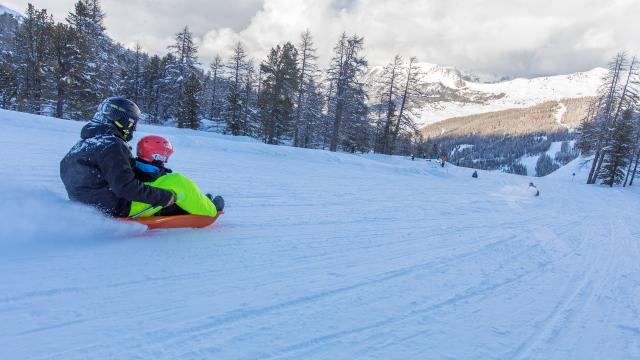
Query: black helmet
(121, 113)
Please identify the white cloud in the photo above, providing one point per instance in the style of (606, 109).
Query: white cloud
(504, 37)
(511, 37)
(153, 23)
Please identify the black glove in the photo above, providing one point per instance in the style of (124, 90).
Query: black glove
(218, 201)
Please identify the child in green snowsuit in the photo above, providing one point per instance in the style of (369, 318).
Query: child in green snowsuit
(152, 153)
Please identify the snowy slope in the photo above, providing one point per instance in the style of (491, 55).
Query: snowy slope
(451, 93)
(580, 167)
(530, 161)
(319, 256)
(6, 10)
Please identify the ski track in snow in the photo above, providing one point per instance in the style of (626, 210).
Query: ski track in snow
(319, 255)
(559, 114)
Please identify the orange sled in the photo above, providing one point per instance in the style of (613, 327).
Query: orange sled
(175, 222)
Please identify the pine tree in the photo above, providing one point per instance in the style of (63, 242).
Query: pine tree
(180, 71)
(8, 27)
(8, 79)
(306, 85)
(517, 168)
(635, 167)
(617, 154)
(566, 154)
(248, 101)
(98, 69)
(215, 105)
(357, 131)
(324, 129)
(185, 51)
(387, 89)
(599, 133)
(610, 100)
(587, 133)
(33, 60)
(189, 104)
(348, 102)
(409, 92)
(277, 91)
(545, 165)
(170, 89)
(238, 67)
(131, 84)
(152, 83)
(634, 156)
(311, 130)
(65, 45)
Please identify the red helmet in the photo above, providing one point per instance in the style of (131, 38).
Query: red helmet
(154, 148)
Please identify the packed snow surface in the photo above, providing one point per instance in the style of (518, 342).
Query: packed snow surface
(318, 256)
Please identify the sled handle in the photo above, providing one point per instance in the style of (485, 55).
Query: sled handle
(142, 212)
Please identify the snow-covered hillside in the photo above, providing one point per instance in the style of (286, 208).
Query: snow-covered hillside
(530, 161)
(319, 256)
(452, 93)
(6, 10)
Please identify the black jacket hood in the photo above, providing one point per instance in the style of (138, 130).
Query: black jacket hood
(94, 129)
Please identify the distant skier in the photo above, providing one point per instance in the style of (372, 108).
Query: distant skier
(153, 153)
(98, 170)
(475, 174)
(443, 160)
(534, 188)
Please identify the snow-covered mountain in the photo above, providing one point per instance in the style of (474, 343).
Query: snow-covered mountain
(6, 10)
(449, 92)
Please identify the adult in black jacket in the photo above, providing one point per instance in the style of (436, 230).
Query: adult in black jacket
(98, 170)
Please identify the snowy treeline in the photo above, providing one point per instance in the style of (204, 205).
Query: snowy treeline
(547, 117)
(499, 140)
(66, 69)
(502, 152)
(611, 130)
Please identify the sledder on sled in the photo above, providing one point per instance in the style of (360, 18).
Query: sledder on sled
(100, 171)
(152, 154)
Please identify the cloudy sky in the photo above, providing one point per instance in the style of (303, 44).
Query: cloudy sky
(503, 37)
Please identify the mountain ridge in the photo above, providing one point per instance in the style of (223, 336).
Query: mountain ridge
(550, 116)
(6, 10)
(448, 92)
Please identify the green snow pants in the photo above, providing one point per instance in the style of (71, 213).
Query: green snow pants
(188, 196)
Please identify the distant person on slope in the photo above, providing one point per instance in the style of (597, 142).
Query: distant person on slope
(534, 189)
(443, 160)
(153, 153)
(98, 170)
